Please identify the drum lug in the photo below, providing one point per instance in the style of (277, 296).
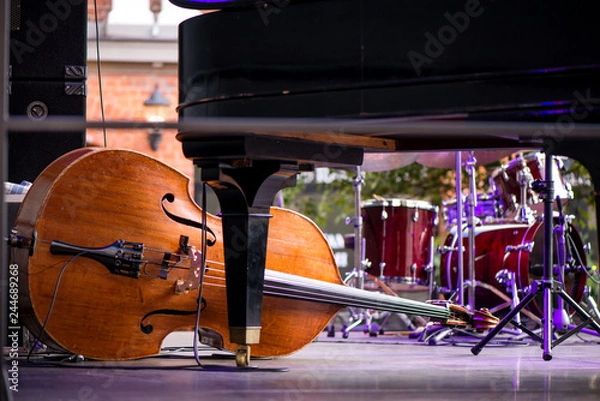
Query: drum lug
(413, 271)
(569, 190)
(442, 250)
(382, 269)
(527, 247)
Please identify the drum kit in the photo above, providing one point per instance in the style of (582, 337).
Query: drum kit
(501, 250)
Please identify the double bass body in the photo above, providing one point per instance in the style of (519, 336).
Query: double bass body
(91, 198)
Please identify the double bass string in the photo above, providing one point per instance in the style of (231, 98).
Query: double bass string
(299, 287)
(274, 285)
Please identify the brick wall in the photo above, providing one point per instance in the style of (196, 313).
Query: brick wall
(124, 89)
(104, 8)
(124, 94)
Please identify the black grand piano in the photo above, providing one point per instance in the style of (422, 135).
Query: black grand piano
(361, 76)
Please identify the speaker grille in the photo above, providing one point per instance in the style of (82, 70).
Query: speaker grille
(15, 15)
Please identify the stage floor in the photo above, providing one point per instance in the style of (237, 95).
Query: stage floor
(386, 367)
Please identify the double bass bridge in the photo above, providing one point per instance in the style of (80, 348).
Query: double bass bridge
(194, 278)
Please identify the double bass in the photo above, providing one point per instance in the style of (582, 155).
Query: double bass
(109, 249)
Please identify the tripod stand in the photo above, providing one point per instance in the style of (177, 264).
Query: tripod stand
(547, 286)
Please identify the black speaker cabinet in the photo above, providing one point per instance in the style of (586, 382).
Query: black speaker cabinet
(48, 39)
(30, 152)
(48, 72)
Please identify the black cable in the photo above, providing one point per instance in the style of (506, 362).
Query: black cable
(201, 278)
(51, 308)
(580, 261)
(100, 73)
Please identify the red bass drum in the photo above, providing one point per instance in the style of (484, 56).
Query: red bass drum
(518, 248)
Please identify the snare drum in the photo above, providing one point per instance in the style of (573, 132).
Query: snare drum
(399, 238)
(518, 248)
(508, 185)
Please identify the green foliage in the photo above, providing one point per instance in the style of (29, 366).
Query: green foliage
(582, 207)
(417, 182)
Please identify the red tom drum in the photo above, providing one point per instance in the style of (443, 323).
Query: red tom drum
(508, 183)
(488, 208)
(399, 238)
(518, 248)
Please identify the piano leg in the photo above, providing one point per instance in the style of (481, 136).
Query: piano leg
(246, 172)
(246, 195)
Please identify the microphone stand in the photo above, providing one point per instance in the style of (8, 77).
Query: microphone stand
(547, 286)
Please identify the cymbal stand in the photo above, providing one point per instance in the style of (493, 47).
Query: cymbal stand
(358, 271)
(524, 214)
(384, 218)
(356, 277)
(472, 203)
(459, 223)
(430, 268)
(439, 333)
(547, 286)
(524, 176)
(472, 282)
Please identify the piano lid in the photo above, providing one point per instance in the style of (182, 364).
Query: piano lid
(219, 4)
(358, 58)
(263, 6)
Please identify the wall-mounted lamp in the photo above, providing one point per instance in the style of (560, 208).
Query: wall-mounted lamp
(156, 106)
(156, 8)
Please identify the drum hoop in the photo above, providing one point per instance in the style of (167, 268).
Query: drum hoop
(397, 202)
(481, 197)
(528, 157)
(484, 228)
